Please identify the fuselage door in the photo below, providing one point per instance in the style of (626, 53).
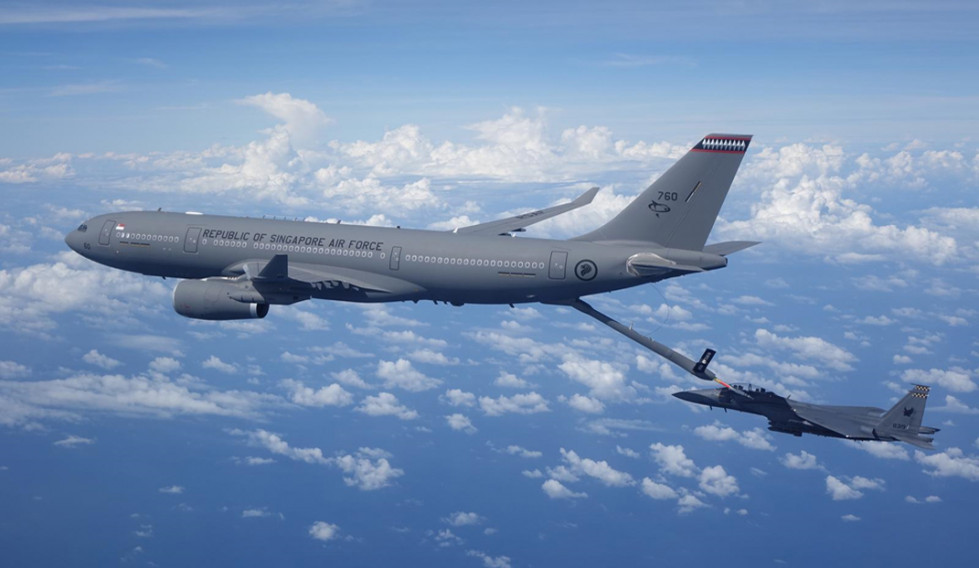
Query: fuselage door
(192, 239)
(107, 228)
(395, 258)
(559, 264)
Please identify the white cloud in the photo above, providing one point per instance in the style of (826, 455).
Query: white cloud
(172, 490)
(850, 518)
(804, 460)
(324, 531)
(955, 405)
(628, 452)
(33, 295)
(255, 513)
(252, 460)
(841, 490)
(401, 374)
(509, 380)
(214, 362)
(490, 561)
(883, 450)
(350, 378)
(658, 491)
(164, 365)
(154, 395)
(950, 463)
(607, 381)
(445, 538)
(332, 395)
(458, 397)
(930, 499)
(72, 441)
(460, 422)
(530, 403)
(754, 438)
(586, 404)
(93, 357)
(689, 503)
(463, 519)
(514, 450)
(368, 469)
(55, 168)
(673, 460)
(302, 120)
(715, 480)
(804, 208)
(955, 379)
(751, 301)
(431, 357)
(386, 404)
(13, 370)
(556, 490)
(275, 444)
(600, 470)
(811, 348)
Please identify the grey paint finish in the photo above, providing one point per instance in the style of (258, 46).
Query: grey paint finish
(657, 236)
(902, 423)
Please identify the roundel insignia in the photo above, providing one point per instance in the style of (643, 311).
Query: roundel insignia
(586, 270)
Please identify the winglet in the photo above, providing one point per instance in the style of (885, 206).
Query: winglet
(518, 222)
(585, 198)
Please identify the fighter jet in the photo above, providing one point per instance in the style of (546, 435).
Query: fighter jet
(902, 423)
(235, 267)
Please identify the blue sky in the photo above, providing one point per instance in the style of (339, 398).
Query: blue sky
(483, 435)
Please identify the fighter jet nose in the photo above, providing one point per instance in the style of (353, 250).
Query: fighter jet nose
(708, 397)
(687, 396)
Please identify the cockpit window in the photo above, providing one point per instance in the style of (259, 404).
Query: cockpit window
(82, 228)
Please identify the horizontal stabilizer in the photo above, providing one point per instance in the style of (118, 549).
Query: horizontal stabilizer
(920, 441)
(729, 247)
(652, 264)
(519, 222)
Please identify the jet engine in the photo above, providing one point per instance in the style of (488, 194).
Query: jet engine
(217, 299)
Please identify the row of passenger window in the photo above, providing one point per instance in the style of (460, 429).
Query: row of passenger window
(150, 237)
(492, 262)
(315, 250)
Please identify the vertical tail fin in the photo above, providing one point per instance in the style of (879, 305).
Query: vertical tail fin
(903, 421)
(906, 415)
(679, 209)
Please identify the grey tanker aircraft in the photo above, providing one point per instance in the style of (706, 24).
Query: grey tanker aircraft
(236, 267)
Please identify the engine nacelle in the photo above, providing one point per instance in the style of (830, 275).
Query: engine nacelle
(216, 300)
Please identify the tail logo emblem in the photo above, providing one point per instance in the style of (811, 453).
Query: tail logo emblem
(657, 207)
(908, 411)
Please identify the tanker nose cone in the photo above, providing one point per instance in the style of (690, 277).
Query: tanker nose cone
(74, 241)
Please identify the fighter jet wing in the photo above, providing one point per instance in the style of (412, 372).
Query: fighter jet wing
(518, 223)
(837, 419)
